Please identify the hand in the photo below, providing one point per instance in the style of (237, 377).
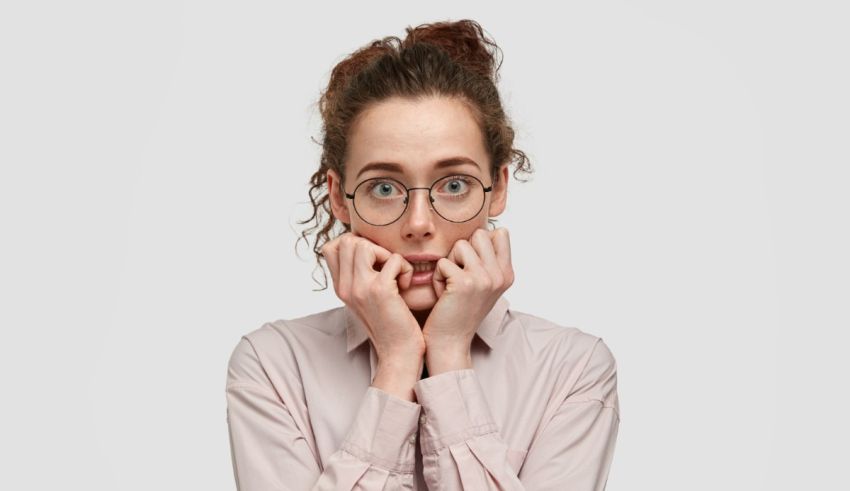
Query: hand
(374, 297)
(468, 283)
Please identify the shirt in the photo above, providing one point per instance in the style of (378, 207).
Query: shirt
(537, 410)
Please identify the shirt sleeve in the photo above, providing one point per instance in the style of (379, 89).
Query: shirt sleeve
(463, 449)
(271, 453)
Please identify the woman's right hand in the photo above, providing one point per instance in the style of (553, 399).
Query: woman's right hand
(374, 296)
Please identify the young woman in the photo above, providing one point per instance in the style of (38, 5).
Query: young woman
(424, 378)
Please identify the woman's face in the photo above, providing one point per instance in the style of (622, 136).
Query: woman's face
(414, 135)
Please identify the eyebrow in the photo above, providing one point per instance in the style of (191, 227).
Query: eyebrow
(393, 167)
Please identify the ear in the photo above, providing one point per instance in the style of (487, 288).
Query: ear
(499, 194)
(339, 203)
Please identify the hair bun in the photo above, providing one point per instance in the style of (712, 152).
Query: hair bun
(464, 41)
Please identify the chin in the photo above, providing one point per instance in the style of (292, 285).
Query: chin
(420, 297)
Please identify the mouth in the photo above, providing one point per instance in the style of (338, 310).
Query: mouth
(420, 266)
(423, 273)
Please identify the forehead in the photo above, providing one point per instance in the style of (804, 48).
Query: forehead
(415, 134)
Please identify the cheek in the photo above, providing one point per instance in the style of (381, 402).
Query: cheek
(375, 234)
(470, 228)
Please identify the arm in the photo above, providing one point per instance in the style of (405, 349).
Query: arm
(271, 453)
(462, 447)
(575, 448)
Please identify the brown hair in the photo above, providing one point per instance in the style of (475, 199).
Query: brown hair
(453, 59)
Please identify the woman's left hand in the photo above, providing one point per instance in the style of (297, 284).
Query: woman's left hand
(468, 283)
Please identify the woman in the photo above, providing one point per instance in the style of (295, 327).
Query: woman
(453, 390)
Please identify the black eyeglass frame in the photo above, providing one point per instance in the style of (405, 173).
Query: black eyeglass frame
(407, 197)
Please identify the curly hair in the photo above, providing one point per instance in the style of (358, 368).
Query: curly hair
(452, 59)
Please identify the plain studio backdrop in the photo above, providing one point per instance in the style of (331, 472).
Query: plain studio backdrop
(689, 206)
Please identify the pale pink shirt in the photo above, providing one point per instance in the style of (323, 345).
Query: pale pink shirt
(538, 410)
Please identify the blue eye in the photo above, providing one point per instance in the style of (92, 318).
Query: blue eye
(384, 189)
(455, 185)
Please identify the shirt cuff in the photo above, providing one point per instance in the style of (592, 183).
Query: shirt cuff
(453, 409)
(384, 432)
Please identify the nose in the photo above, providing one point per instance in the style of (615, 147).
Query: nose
(419, 216)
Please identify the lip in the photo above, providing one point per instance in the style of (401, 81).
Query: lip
(415, 258)
(422, 278)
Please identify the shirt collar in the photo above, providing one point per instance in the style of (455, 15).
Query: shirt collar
(490, 328)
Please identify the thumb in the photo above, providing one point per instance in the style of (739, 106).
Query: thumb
(439, 278)
(406, 274)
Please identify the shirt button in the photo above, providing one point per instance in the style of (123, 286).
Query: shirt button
(412, 439)
(423, 418)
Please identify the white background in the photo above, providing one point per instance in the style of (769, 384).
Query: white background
(689, 206)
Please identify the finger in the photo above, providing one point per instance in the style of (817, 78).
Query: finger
(364, 258)
(382, 255)
(482, 242)
(465, 256)
(330, 251)
(444, 271)
(502, 246)
(366, 255)
(397, 269)
(346, 264)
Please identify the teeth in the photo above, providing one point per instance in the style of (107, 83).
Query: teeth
(423, 266)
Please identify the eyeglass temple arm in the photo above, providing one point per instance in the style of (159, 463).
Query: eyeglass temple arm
(349, 196)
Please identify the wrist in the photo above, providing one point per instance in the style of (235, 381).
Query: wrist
(396, 384)
(440, 359)
(398, 376)
(401, 364)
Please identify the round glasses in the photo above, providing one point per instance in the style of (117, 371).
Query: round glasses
(382, 200)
